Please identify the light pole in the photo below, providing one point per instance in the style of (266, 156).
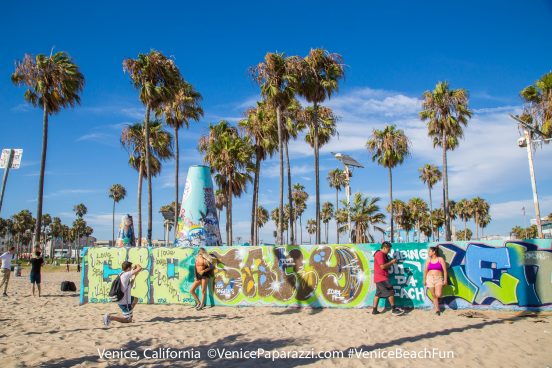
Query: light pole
(348, 161)
(168, 216)
(527, 142)
(10, 159)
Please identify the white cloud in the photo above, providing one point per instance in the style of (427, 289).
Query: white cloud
(94, 137)
(513, 209)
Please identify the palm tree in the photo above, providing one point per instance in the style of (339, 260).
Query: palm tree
(261, 217)
(178, 111)
(430, 175)
(337, 179)
(56, 232)
(389, 147)
(230, 155)
(260, 124)
(480, 208)
(365, 212)
(220, 201)
(437, 220)
(464, 235)
(326, 215)
(159, 149)
(293, 125)
(463, 209)
(483, 222)
(418, 209)
(446, 111)
(23, 223)
(300, 198)
(538, 99)
(311, 228)
(318, 78)
(157, 78)
(54, 82)
(46, 222)
(117, 192)
(276, 81)
(275, 216)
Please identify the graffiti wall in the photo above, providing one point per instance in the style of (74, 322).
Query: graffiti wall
(490, 275)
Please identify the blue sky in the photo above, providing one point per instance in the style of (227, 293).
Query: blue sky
(393, 51)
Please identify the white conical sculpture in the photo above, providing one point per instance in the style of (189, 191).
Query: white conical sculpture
(198, 224)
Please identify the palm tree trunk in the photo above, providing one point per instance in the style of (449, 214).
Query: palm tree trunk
(291, 219)
(445, 190)
(391, 201)
(113, 228)
(430, 200)
(176, 172)
(38, 224)
(148, 174)
(279, 238)
(229, 211)
(255, 197)
(336, 210)
(140, 179)
(316, 172)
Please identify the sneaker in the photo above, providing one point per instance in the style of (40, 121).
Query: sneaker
(106, 320)
(397, 311)
(375, 311)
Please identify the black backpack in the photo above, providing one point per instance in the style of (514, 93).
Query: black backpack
(68, 286)
(116, 292)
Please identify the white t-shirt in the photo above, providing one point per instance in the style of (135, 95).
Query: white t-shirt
(126, 285)
(6, 260)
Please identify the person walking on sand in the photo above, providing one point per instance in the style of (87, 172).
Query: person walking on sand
(67, 266)
(7, 258)
(202, 271)
(384, 289)
(36, 264)
(435, 276)
(128, 302)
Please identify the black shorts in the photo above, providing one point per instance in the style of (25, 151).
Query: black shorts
(35, 278)
(384, 289)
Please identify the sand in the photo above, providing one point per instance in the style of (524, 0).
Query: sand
(54, 331)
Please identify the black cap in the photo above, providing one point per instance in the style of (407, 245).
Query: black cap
(386, 244)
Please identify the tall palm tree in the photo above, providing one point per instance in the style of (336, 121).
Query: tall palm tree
(418, 209)
(365, 212)
(54, 82)
(326, 215)
(159, 149)
(389, 147)
(23, 224)
(446, 111)
(300, 198)
(538, 98)
(260, 124)
(480, 208)
(262, 218)
(230, 155)
(56, 232)
(337, 179)
(318, 79)
(311, 228)
(276, 80)
(179, 110)
(293, 125)
(157, 78)
(484, 221)
(275, 216)
(430, 175)
(117, 192)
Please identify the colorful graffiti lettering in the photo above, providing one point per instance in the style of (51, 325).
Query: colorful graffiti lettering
(491, 274)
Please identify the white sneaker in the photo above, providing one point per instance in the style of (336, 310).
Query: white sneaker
(106, 320)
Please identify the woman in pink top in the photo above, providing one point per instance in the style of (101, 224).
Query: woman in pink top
(435, 276)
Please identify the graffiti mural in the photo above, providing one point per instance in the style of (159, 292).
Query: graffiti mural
(125, 236)
(197, 220)
(488, 275)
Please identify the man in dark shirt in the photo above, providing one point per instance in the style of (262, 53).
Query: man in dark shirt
(36, 265)
(384, 289)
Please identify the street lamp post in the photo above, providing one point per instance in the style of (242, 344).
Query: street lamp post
(348, 161)
(527, 142)
(168, 216)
